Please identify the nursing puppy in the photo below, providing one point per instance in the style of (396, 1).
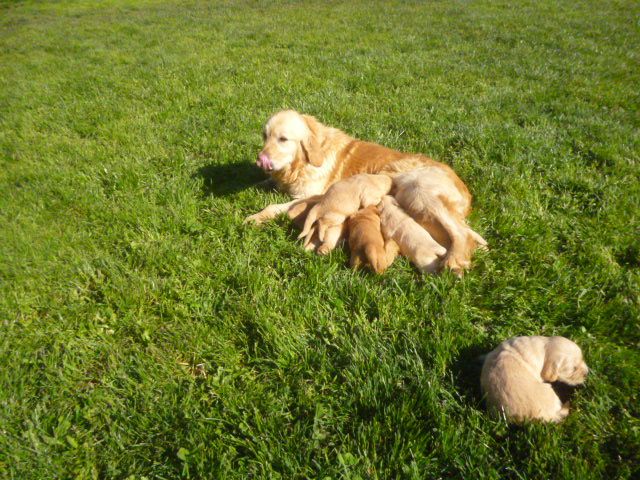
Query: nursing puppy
(516, 377)
(303, 157)
(366, 242)
(342, 200)
(414, 241)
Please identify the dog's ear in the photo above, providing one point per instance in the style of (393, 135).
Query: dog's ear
(551, 368)
(311, 146)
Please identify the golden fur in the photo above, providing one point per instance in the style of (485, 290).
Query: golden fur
(341, 200)
(423, 193)
(414, 241)
(304, 158)
(516, 377)
(366, 243)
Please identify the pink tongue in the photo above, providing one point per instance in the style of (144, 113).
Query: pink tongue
(264, 162)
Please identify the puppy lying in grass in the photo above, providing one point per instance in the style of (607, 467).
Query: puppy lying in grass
(414, 241)
(367, 245)
(343, 199)
(516, 377)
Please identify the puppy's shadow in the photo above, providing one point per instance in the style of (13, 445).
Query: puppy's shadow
(221, 180)
(565, 392)
(466, 369)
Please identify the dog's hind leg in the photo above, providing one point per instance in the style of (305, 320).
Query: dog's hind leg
(458, 257)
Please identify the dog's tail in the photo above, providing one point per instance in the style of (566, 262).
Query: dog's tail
(310, 220)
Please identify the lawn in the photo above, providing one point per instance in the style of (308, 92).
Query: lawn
(145, 332)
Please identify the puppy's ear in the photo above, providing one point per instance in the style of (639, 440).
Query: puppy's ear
(311, 146)
(551, 368)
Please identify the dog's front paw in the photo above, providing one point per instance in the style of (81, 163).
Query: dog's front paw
(255, 219)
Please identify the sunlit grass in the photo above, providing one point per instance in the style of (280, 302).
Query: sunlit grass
(145, 331)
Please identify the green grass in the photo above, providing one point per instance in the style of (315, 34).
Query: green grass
(145, 332)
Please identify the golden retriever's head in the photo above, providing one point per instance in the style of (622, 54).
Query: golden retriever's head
(287, 136)
(563, 362)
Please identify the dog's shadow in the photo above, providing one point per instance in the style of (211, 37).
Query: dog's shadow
(221, 180)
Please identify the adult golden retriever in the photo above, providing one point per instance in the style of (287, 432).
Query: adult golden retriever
(304, 158)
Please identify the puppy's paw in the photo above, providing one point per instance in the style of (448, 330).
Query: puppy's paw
(311, 241)
(324, 249)
(559, 415)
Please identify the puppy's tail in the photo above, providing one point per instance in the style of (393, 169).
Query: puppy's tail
(310, 220)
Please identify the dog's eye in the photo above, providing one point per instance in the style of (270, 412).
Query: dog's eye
(282, 139)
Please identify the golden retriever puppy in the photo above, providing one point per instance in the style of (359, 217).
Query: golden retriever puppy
(304, 158)
(425, 194)
(516, 377)
(414, 241)
(342, 200)
(367, 245)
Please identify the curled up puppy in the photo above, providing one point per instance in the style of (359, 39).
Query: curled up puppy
(343, 199)
(414, 241)
(517, 376)
(367, 245)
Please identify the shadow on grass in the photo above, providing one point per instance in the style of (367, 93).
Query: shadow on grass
(466, 369)
(220, 180)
